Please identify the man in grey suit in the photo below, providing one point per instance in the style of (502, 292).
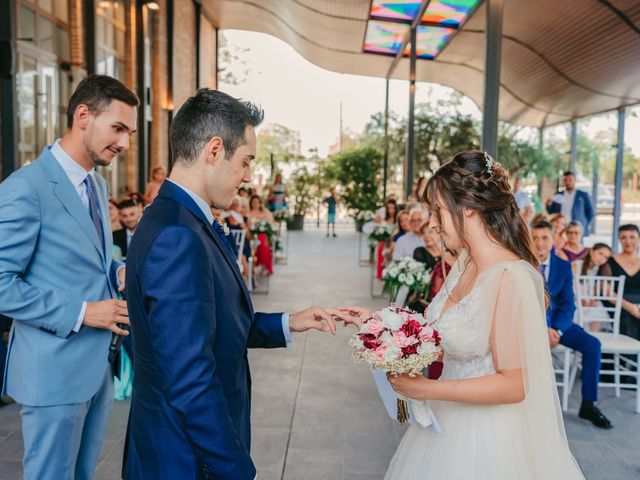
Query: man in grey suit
(58, 282)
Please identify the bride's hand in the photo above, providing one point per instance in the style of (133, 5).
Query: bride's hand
(357, 315)
(410, 387)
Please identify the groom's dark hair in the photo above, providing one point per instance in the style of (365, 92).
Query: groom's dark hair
(211, 113)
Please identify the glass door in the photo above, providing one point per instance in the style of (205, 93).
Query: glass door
(37, 85)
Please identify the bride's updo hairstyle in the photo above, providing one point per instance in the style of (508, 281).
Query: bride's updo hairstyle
(474, 181)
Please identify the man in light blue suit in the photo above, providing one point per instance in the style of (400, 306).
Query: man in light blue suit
(192, 319)
(59, 283)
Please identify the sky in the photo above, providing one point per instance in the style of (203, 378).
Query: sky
(301, 96)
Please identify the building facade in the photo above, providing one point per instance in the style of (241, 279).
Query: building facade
(163, 50)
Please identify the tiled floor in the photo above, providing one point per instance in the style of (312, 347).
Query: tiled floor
(316, 416)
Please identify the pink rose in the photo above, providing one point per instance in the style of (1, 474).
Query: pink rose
(401, 340)
(375, 326)
(379, 352)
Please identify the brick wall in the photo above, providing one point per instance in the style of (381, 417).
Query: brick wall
(184, 52)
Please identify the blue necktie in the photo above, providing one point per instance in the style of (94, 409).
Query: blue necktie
(94, 211)
(543, 270)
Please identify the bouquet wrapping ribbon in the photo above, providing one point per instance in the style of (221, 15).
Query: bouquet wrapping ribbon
(419, 412)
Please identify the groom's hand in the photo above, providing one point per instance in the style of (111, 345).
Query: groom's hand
(315, 318)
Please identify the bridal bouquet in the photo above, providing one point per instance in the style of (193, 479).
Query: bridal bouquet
(266, 227)
(381, 233)
(397, 341)
(406, 272)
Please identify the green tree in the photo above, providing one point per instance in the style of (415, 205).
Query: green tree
(358, 171)
(280, 141)
(300, 188)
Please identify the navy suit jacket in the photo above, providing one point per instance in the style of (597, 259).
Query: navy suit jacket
(582, 210)
(560, 290)
(191, 322)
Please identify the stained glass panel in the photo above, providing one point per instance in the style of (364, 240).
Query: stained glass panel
(384, 37)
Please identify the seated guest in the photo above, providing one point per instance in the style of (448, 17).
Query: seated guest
(257, 212)
(597, 256)
(558, 280)
(235, 220)
(407, 244)
(440, 272)
(573, 248)
(389, 217)
(559, 223)
(627, 264)
(404, 226)
(430, 254)
(114, 214)
(130, 215)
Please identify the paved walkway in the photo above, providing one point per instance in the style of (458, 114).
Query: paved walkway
(316, 416)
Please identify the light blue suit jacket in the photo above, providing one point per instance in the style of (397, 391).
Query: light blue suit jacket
(51, 261)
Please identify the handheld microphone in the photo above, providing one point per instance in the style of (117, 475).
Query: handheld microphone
(116, 340)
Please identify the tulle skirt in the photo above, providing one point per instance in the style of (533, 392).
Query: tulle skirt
(478, 442)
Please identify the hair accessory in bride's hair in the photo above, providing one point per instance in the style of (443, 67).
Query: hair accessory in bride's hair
(489, 162)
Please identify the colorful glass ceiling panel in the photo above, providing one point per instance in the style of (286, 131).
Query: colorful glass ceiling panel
(396, 10)
(430, 41)
(449, 13)
(390, 21)
(384, 37)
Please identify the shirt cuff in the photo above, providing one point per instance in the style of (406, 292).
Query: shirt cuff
(118, 276)
(76, 328)
(288, 338)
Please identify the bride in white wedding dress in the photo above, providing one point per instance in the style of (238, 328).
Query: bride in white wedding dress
(496, 400)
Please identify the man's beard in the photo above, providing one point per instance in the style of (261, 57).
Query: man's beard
(93, 157)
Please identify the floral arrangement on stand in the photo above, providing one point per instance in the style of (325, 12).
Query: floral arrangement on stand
(282, 215)
(365, 216)
(266, 227)
(382, 232)
(405, 272)
(397, 341)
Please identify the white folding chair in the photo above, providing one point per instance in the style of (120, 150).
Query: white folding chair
(591, 293)
(565, 367)
(238, 237)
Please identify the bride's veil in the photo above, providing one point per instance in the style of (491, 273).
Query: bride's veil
(513, 305)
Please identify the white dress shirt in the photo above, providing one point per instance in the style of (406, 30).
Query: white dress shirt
(547, 267)
(77, 176)
(206, 210)
(567, 205)
(406, 245)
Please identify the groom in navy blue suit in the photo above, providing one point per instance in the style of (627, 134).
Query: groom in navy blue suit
(558, 278)
(192, 319)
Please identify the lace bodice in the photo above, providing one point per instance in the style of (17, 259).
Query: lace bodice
(464, 355)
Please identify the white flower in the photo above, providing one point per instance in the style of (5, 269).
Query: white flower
(426, 348)
(410, 280)
(386, 338)
(402, 278)
(390, 320)
(391, 353)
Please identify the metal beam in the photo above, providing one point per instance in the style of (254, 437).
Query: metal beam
(617, 204)
(574, 145)
(89, 14)
(8, 89)
(493, 56)
(407, 38)
(385, 168)
(408, 173)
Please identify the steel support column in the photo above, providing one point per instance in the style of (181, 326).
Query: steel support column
(495, 9)
(617, 204)
(574, 145)
(408, 172)
(385, 167)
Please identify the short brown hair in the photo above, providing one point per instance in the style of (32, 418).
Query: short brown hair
(97, 92)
